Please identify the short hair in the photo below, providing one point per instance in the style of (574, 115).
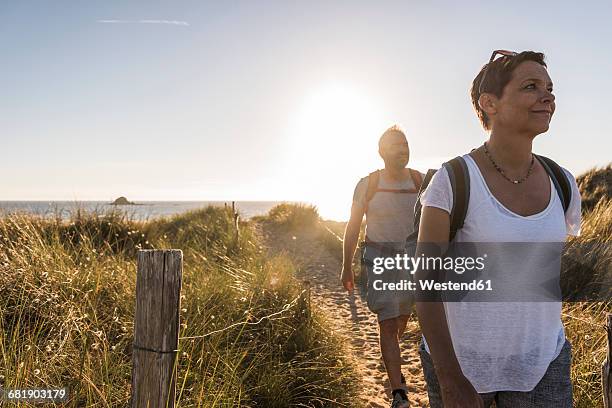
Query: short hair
(498, 75)
(395, 129)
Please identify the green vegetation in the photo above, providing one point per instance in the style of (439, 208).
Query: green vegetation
(595, 185)
(300, 218)
(292, 217)
(584, 321)
(67, 308)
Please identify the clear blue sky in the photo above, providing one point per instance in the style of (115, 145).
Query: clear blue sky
(192, 100)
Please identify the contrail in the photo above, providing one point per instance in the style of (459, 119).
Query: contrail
(171, 22)
(175, 22)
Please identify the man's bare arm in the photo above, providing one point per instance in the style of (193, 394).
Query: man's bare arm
(351, 235)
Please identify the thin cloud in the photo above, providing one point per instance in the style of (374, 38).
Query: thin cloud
(171, 22)
(114, 21)
(175, 22)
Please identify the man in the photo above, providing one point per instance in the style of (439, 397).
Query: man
(387, 198)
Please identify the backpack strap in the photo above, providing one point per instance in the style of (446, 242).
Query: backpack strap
(460, 183)
(416, 179)
(373, 181)
(559, 178)
(373, 178)
(417, 205)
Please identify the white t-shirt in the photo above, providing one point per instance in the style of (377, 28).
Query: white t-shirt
(390, 216)
(504, 345)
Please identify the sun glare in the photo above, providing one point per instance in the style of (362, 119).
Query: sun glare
(334, 142)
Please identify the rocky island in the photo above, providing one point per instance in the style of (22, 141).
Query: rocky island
(122, 201)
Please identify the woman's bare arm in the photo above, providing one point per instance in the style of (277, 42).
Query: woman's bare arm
(457, 391)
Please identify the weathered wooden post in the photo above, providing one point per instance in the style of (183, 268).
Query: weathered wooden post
(236, 225)
(606, 372)
(156, 322)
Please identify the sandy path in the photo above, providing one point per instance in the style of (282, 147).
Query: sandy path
(350, 317)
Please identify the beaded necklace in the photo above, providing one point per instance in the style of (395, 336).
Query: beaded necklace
(499, 169)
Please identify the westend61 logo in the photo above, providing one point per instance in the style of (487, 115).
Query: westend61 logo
(409, 263)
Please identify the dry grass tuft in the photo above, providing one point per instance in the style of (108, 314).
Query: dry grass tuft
(66, 313)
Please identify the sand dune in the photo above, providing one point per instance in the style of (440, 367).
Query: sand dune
(351, 318)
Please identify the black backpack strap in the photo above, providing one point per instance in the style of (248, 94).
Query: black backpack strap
(417, 205)
(460, 183)
(559, 178)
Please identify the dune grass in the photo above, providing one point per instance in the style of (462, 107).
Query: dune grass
(587, 269)
(292, 217)
(595, 185)
(67, 299)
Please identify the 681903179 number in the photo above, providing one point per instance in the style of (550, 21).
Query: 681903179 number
(35, 394)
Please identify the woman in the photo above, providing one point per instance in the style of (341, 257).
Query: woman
(513, 353)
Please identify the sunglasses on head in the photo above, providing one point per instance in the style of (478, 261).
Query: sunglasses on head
(504, 54)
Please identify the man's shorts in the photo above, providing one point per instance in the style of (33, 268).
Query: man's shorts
(384, 302)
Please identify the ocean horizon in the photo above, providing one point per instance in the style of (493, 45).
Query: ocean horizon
(140, 210)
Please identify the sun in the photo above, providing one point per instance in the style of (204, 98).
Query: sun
(333, 141)
(336, 114)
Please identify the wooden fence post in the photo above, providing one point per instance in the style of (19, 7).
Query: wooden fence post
(236, 225)
(606, 372)
(156, 322)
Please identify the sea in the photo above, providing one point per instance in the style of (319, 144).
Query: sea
(141, 211)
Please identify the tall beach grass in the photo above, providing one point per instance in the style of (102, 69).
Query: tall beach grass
(67, 306)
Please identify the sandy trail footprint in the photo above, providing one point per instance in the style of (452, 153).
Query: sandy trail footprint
(350, 317)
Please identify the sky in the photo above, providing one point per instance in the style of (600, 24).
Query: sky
(262, 100)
